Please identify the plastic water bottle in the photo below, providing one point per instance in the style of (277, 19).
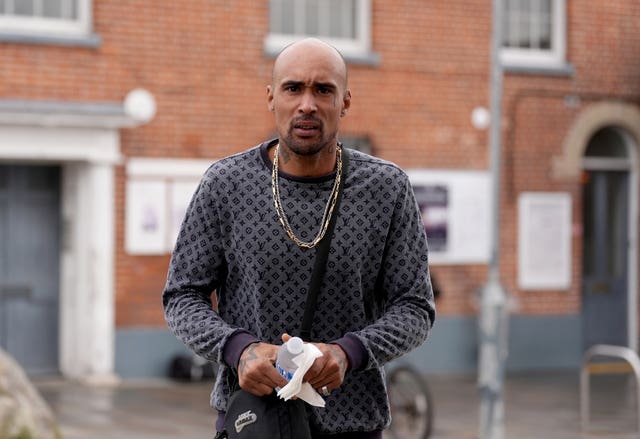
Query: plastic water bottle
(287, 352)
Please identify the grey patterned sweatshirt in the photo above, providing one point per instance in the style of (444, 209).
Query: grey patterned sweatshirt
(376, 299)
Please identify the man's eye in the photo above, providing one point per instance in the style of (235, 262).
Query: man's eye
(324, 90)
(291, 88)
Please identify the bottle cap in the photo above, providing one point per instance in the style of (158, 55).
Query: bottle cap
(294, 345)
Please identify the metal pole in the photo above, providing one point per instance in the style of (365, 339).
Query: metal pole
(493, 320)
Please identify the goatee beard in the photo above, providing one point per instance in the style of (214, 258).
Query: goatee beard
(307, 147)
(304, 148)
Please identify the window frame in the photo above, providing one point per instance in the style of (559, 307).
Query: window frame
(49, 27)
(358, 47)
(553, 57)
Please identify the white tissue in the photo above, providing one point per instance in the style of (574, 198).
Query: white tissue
(296, 387)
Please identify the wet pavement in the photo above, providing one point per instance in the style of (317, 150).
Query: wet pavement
(130, 410)
(538, 405)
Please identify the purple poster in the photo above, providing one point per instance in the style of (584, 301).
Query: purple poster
(433, 201)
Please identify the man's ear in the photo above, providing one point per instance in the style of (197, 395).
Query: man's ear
(269, 98)
(346, 103)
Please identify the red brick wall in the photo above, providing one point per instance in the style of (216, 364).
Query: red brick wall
(603, 43)
(205, 65)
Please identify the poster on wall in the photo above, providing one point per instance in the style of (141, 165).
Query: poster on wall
(158, 194)
(146, 220)
(544, 241)
(433, 203)
(455, 207)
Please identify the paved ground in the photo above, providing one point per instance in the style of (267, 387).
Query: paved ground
(538, 406)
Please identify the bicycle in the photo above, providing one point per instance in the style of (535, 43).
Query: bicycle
(411, 404)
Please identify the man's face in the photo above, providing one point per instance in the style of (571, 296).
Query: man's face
(308, 96)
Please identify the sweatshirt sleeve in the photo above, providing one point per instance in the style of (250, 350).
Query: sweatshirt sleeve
(196, 270)
(407, 310)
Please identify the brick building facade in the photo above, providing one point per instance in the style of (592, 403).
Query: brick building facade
(416, 70)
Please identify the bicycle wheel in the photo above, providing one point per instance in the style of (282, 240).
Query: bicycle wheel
(411, 405)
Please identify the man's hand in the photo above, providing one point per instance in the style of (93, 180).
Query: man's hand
(328, 370)
(256, 371)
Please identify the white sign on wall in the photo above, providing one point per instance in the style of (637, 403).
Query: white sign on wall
(455, 207)
(158, 194)
(146, 217)
(544, 241)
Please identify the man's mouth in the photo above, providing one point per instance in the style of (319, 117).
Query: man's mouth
(306, 127)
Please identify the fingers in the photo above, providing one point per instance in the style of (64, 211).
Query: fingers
(257, 389)
(262, 381)
(328, 370)
(256, 372)
(329, 387)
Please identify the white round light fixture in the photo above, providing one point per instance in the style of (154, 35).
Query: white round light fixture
(480, 118)
(140, 105)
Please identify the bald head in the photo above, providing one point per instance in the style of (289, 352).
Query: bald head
(308, 96)
(303, 50)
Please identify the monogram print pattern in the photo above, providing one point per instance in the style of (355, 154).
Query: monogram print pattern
(376, 287)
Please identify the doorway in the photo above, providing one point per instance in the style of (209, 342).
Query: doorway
(607, 187)
(30, 265)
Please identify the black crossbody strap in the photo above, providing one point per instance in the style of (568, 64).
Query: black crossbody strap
(322, 254)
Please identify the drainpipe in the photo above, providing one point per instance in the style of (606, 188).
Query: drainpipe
(493, 319)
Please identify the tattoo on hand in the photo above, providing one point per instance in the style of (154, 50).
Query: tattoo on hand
(342, 360)
(251, 355)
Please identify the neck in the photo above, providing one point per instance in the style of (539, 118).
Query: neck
(316, 165)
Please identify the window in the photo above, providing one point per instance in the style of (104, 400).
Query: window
(359, 143)
(343, 23)
(534, 33)
(66, 18)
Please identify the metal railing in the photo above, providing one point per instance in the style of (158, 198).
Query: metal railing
(602, 350)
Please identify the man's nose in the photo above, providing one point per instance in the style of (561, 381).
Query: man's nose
(307, 102)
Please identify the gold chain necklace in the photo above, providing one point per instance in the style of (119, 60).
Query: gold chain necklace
(328, 210)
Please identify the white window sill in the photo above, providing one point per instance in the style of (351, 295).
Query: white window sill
(92, 41)
(564, 69)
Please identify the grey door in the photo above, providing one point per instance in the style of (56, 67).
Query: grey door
(29, 265)
(605, 216)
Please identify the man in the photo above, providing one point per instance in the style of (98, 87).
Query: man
(250, 232)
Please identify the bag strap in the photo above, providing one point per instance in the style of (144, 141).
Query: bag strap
(322, 254)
